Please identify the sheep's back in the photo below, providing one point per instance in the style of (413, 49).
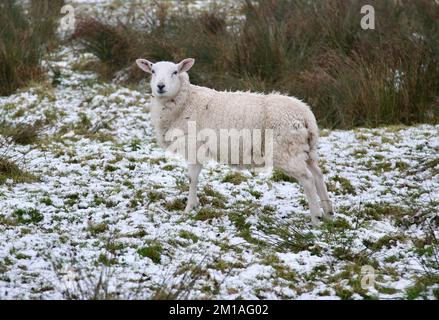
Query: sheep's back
(231, 110)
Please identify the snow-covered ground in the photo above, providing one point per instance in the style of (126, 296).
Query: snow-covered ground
(103, 216)
(108, 202)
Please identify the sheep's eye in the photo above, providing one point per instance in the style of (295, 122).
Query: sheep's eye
(175, 72)
(152, 71)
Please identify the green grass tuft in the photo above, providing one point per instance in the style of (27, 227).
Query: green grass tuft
(27, 216)
(153, 251)
(279, 176)
(235, 178)
(207, 214)
(10, 170)
(175, 205)
(188, 236)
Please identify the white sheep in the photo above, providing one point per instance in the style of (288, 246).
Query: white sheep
(176, 103)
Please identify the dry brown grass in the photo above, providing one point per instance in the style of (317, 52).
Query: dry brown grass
(316, 51)
(23, 40)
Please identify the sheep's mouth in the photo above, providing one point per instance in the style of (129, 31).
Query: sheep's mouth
(161, 91)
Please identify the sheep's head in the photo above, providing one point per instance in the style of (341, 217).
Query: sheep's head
(165, 80)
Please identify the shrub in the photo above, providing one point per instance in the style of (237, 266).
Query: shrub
(44, 16)
(21, 42)
(317, 52)
(20, 50)
(109, 44)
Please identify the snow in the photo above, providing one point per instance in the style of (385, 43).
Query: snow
(52, 258)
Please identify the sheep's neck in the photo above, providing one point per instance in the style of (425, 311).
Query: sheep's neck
(166, 112)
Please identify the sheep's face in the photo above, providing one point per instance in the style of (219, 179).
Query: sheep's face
(165, 80)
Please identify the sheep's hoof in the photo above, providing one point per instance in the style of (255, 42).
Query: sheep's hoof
(316, 221)
(326, 205)
(328, 217)
(189, 208)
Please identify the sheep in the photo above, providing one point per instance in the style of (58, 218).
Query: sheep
(176, 103)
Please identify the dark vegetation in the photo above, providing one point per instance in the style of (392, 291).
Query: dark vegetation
(316, 51)
(24, 37)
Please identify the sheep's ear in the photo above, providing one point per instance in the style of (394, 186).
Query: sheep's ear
(185, 65)
(145, 65)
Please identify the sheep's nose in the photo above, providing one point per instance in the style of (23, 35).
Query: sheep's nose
(160, 86)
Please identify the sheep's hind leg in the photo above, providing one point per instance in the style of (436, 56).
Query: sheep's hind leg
(193, 173)
(321, 189)
(298, 169)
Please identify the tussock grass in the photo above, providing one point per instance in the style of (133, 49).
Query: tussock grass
(152, 251)
(10, 170)
(284, 236)
(109, 44)
(24, 37)
(278, 176)
(318, 52)
(24, 216)
(21, 133)
(235, 178)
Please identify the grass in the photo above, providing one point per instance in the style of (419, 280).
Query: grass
(235, 178)
(422, 285)
(188, 236)
(155, 196)
(25, 37)
(152, 251)
(103, 41)
(45, 16)
(380, 211)
(432, 165)
(189, 274)
(27, 216)
(264, 232)
(86, 285)
(278, 176)
(47, 201)
(386, 241)
(211, 197)
(97, 228)
(286, 237)
(10, 170)
(106, 260)
(345, 186)
(21, 133)
(168, 167)
(207, 214)
(175, 205)
(21, 62)
(85, 128)
(238, 218)
(350, 76)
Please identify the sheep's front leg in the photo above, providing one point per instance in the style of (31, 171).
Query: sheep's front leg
(193, 173)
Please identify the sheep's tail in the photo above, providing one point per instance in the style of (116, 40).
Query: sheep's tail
(313, 136)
